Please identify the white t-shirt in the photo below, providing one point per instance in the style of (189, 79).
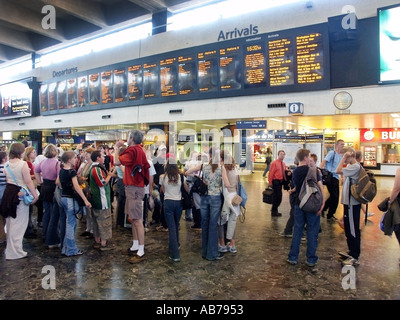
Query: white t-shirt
(152, 172)
(171, 191)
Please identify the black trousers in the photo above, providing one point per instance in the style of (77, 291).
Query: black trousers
(332, 203)
(277, 186)
(352, 229)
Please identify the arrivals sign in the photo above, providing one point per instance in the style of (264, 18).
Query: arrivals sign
(379, 135)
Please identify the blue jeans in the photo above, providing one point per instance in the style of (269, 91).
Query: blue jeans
(312, 221)
(51, 218)
(69, 246)
(173, 213)
(210, 211)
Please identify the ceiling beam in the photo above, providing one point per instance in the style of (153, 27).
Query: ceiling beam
(82, 9)
(20, 16)
(15, 39)
(151, 5)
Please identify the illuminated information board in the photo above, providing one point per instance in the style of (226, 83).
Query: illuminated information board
(291, 60)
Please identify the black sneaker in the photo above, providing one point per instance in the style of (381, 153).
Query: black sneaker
(219, 256)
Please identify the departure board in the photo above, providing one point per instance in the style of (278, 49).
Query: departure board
(72, 92)
(168, 77)
(207, 73)
(281, 62)
(120, 85)
(255, 66)
(107, 87)
(290, 60)
(83, 92)
(94, 89)
(62, 94)
(150, 80)
(187, 75)
(135, 82)
(309, 58)
(230, 74)
(44, 97)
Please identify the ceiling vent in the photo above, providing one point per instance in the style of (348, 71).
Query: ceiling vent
(276, 105)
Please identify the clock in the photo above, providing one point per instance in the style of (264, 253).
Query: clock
(342, 100)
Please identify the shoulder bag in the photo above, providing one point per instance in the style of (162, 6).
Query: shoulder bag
(27, 196)
(199, 185)
(186, 196)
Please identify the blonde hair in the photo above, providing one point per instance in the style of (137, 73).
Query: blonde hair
(28, 151)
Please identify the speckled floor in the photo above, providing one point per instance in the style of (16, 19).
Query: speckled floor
(257, 272)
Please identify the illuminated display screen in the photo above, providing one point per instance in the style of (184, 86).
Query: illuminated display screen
(284, 61)
(16, 100)
(389, 44)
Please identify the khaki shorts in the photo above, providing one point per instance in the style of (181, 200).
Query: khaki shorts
(134, 202)
(102, 223)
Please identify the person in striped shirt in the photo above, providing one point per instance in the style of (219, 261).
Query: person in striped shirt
(99, 180)
(3, 181)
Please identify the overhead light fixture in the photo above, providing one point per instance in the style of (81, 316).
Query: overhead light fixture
(208, 125)
(395, 115)
(290, 122)
(278, 120)
(192, 123)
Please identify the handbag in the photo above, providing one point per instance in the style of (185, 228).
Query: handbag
(27, 196)
(199, 186)
(236, 200)
(384, 205)
(326, 177)
(268, 195)
(186, 196)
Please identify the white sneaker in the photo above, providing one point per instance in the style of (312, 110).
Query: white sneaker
(222, 248)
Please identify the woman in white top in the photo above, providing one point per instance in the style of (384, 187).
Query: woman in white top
(230, 212)
(16, 211)
(171, 184)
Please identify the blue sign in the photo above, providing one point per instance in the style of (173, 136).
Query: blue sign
(258, 124)
(296, 108)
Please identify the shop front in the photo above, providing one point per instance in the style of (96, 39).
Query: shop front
(381, 150)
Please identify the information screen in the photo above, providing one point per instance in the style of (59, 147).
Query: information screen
(44, 97)
(15, 100)
(187, 75)
(135, 82)
(389, 44)
(255, 66)
(291, 60)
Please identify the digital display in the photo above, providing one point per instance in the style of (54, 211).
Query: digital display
(168, 77)
(230, 74)
(83, 91)
(150, 80)
(389, 44)
(135, 80)
(15, 100)
(281, 62)
(291, 60)
(72, 89)
(207, 71)
(255, 66)
(94, 89)
(107, 87)
(187, 79)
(44, 98)
(309, 58)
(120, 85)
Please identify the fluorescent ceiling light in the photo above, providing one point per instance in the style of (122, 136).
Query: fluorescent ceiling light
(395, 115)
(290, 122)
(278, 120)
(192, 123)
(208, 125)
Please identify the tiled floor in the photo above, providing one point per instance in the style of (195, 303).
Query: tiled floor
(257, 272)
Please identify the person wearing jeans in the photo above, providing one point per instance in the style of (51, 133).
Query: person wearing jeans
(171, 185)
(302, 218)
(210, 205)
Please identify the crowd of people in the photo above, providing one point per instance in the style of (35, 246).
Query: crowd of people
(74, 183)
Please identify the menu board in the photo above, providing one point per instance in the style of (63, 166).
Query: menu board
(44, 98)
(207, 75)
(187, 75)
(255, 66)
(290, 60)
(309, 58)
(135, 82)
(120, 85)
(83, 91)
(150, 80)
(281, 62)
(94, 89)
(72, 90)
(168, 77)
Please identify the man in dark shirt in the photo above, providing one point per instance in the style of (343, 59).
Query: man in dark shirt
(302, 218)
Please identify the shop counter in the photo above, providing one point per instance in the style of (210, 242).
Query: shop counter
(388, 169)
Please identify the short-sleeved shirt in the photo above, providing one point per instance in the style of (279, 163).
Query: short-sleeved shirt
(332, 161)
(49, 168)
(213, 179)
(171, 191)
(351, 172)
(66, 182)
